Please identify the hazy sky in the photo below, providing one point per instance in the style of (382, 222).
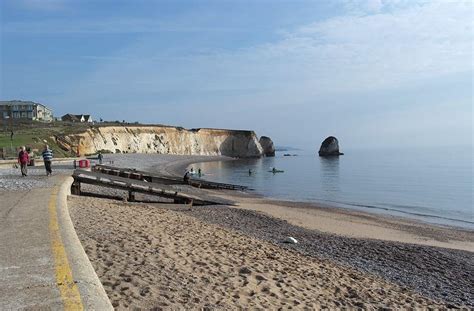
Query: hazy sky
(374, 73)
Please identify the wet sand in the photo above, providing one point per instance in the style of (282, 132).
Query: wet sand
(361, 225)
(167, 256)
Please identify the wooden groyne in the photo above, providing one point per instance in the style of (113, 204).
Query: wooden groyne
(137, 185)
(163, 179)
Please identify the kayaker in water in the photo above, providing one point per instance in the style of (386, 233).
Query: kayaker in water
(274, 170)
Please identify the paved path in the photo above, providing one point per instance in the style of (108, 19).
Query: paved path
(37, 270)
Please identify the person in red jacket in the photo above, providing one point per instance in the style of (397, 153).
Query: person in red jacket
(23, 159)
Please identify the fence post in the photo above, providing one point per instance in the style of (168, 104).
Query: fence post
(76, 188)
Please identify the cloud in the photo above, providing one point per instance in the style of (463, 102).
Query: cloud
(343, 54)
(386, 48)
(364, 7)
(372, 6)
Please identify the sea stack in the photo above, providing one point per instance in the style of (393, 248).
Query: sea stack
(267, 146)
(330, 147)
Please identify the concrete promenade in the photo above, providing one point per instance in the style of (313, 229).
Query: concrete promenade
(42, 263)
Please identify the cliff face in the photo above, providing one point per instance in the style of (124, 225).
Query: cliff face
(163, 140)
(267, 146)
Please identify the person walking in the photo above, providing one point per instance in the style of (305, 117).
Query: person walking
(186, 177)
(48, 158)
(100, 157)
(23, 159)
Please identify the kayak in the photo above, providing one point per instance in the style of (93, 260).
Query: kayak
(198, 175)
(276, 171)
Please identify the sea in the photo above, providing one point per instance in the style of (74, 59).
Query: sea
(432, 185)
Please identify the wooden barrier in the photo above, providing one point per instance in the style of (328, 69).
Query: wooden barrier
(133, 186)
(169, 180)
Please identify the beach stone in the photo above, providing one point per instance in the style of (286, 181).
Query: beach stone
(291, 240)
(245, 270)
(329, 147)
(267, 146)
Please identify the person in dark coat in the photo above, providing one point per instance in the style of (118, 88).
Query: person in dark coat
(23, 159)
(186, 177)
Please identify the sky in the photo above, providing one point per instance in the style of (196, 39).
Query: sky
(374, 73)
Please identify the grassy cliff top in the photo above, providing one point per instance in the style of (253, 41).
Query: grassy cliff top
(34, 134)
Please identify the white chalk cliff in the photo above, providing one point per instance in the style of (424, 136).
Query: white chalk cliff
(267, 146)
(162, 140)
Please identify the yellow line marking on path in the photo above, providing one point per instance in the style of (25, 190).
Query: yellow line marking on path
(67, 287)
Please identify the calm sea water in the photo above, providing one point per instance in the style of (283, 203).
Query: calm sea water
(432, 185)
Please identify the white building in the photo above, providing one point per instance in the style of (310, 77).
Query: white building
(28, 110)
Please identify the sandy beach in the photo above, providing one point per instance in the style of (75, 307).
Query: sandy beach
(169, 256)
(150, 256)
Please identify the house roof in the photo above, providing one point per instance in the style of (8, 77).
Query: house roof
(22, 102)
(77, 117)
